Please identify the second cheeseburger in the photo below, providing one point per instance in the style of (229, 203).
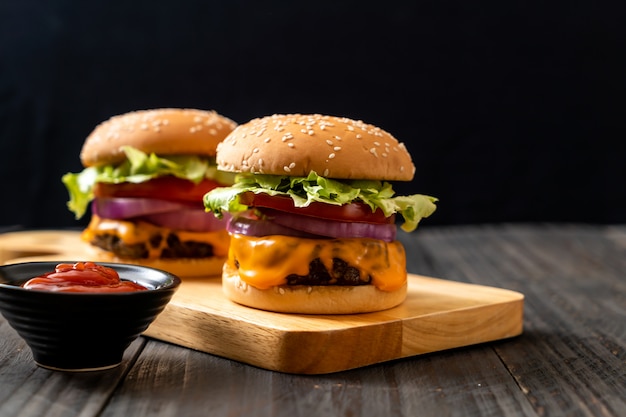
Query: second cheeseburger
(313, 227)
(145, 174)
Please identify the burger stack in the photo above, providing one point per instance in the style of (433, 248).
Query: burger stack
(296, 212)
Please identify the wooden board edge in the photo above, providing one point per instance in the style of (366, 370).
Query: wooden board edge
(218, 335)
(464, 327)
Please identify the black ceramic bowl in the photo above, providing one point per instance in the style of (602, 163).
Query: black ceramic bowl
(82, 331)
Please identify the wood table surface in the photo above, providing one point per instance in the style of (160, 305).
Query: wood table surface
(569, 361)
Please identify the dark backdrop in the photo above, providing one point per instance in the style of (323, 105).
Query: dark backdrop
(513, 110)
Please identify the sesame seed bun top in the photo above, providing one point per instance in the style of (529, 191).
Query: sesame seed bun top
(161, 131)
(296, 144)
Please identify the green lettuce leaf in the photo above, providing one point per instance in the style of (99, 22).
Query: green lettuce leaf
(137, 168)
(304, 190)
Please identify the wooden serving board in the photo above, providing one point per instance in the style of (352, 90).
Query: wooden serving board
(437, 315)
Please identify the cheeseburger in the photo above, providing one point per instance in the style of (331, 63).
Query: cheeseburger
(313, 216)
(144, 178)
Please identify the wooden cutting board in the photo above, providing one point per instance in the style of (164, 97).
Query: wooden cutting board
(437, 315)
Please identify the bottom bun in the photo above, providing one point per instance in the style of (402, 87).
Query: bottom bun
(310, 299)
(181, 267)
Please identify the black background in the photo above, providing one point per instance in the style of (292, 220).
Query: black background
(513, 110)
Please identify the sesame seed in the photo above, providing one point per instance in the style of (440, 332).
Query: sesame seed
(286, 169)
(331, 156)
(384, 154)
(260, 162)
(255, 150)
(337, 148)
(350, 128)
(281, 291)
(373, 152)
(337, 137)
(291, 145)
(326, 172)
(377, 143)
(358, 136)
(267, 139)
(311, 132)
(144, 126)
(292, 165)
(330, 142)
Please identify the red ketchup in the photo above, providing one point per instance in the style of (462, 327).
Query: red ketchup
(82, 277)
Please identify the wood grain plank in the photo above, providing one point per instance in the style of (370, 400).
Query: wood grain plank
(29, 390)
(571, 359)
(457, 383)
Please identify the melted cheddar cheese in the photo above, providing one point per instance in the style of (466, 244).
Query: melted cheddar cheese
(143, 232)
(265, 262)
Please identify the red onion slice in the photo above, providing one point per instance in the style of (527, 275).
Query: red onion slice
(170, 214)
(194, 220)
(125, 208)
(332, 228)
(257, 227)
(282, 223)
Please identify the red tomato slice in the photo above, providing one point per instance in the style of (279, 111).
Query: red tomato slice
(165, 188)
(354, 212)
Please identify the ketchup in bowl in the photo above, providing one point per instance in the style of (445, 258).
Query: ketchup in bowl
(82, 277)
